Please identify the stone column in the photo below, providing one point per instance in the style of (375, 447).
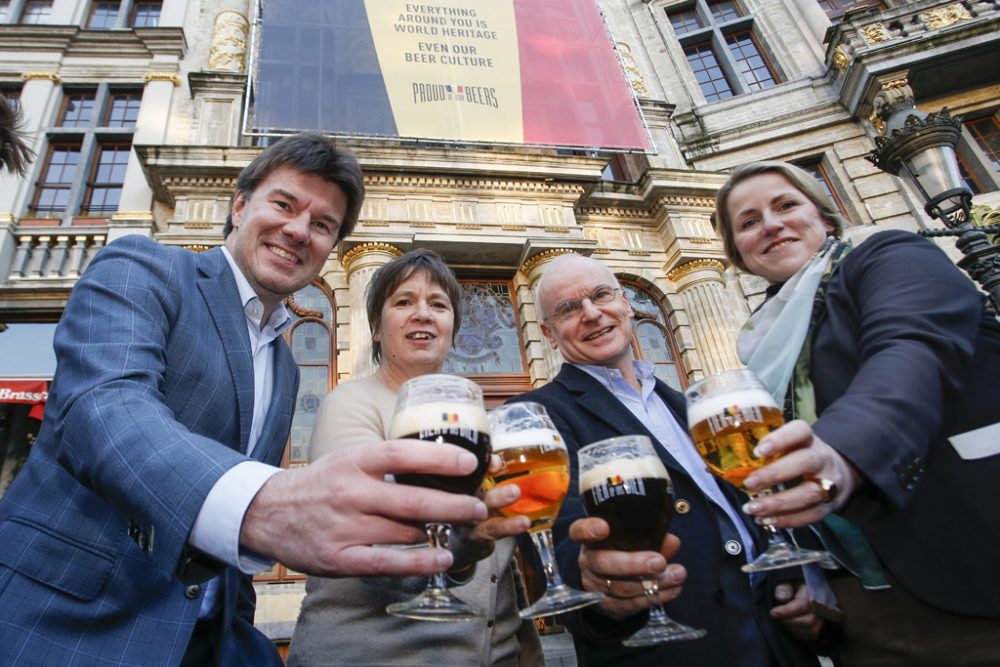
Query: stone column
(712, 313)
(135, 206)
(551, 359)
(37, 99)
(361, 262)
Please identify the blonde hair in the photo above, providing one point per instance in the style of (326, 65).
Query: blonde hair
(801, 179)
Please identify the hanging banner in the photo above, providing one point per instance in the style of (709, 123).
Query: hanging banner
(32, 392)
(503, 71)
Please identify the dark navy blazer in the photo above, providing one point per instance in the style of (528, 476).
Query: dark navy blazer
(151, 403)
(904, 356)
(716, 596)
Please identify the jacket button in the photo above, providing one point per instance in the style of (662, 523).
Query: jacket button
(192, 591)
(733, 547)
(682, 506)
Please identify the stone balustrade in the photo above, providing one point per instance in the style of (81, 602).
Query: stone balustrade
(53, 254)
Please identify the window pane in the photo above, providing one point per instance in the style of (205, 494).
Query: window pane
(752, 66)
(684, 20)
(707, 72)
(488, 342)
(987, 134)
(313, 299)
(655, 347)
(4, 9)
(725, 10)
(644, 303)
(123, 110)
(78, 109)
(146, 15)
(36, 12)
(27, 349)
(819, 174)
(311, 343)
(104, 191)
(103, 14)
(312, 389)
(52, 193)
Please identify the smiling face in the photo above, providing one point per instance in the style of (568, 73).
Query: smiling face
(594, 335)
(776, 229)
(415, 329)
(283, 232)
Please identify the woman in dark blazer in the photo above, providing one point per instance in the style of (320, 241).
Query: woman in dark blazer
(889, 360)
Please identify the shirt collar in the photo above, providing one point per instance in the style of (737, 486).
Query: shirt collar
(644, 371)
(252, 306)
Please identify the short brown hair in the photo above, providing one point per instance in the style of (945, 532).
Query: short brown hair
(307, 153)
(801, 179)
(392, 275)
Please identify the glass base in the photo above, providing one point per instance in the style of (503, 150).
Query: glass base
(560, 599)
(780, 556)
(435, 604)
(659, 633)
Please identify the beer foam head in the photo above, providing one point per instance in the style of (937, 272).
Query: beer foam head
(545, 438)
(716, 405)
(429, 416)
(648, 467)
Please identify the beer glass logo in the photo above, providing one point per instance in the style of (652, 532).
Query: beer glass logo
(617, 486)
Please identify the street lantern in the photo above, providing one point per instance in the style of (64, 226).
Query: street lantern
(920, 148)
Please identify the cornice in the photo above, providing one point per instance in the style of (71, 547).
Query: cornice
(490, 185)
(696, 265)
(369, 248)
(74, 41)
(535, 260)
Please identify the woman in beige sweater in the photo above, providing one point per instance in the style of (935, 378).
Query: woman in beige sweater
(414, 311)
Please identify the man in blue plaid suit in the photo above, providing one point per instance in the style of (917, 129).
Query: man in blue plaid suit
(151, 495)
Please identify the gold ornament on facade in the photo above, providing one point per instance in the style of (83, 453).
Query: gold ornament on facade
(632, 69)
(196, 247)
(893, 94)
(133, 215)
(696, 265)
(301, 311)
(371, 247)
(229, 42)
(542, 257)
(172, 77)
(875, 33)
(944, 16)
(840, 58)
(50, 76)
(985, 216)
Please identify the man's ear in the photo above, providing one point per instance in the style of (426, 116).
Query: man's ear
(547, 332)
(239, 203)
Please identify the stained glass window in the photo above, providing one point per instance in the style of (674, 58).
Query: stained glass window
(488, 342)
(653, 340)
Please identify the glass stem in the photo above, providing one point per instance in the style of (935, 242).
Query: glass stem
(774, 536)
(657, 616)
(437, 535)
(543, 544)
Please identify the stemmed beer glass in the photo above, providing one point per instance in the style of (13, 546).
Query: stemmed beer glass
(728, 414)
(534, 457)
(441, 408)
(623, 481)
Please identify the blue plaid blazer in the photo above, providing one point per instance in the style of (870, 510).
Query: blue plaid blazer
(151, 403)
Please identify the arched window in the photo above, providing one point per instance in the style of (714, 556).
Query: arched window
(313, 340)
(653, 340)
(488, 347)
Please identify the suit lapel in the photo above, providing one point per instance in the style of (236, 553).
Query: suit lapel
(218, 287)
(595, 399)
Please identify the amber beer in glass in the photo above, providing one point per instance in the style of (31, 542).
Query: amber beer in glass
(534, 457)
(441, 408)
(728, 414)
(624, 482)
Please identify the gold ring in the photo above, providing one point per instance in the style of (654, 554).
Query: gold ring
(607, 584)
(829, 489)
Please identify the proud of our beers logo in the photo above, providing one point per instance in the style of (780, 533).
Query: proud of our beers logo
(616, 486)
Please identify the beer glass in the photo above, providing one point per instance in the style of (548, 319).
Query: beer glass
(623, 481)
(728, 414)
(441, 408)
(534, 457)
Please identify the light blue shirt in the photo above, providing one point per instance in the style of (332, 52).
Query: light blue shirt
(216, 529)
(654, 414)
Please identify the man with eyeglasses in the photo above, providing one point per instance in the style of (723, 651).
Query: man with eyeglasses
(600, 392)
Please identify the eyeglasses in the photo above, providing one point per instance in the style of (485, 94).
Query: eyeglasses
(601, 296)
